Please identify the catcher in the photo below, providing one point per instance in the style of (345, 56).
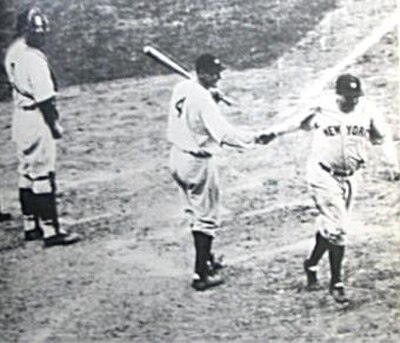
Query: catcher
(35, 129)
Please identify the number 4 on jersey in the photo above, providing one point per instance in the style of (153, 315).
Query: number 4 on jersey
(179, 106)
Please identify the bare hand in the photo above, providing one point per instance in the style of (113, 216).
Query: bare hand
(265, 138)
(216, 94)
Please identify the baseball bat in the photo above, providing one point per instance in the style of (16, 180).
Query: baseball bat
(166, 61)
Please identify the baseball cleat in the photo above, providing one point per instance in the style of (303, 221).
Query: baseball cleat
(338, 293)
(33, 235)
(312, 280)
(208, 282)
(61, 239)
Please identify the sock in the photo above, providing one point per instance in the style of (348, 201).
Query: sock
(202, 243)
(321, 245)
(47, 213)
(336, 254)
(27, 202)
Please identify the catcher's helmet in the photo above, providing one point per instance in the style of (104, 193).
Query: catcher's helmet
(208, 63)
(348, 85)
(32, 20)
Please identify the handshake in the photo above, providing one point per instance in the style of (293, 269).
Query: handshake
(264, 138)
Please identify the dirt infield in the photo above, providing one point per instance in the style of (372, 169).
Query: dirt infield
(128, 281)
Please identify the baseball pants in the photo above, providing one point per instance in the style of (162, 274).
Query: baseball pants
(36, 150)
(333, 197)
(197, 178)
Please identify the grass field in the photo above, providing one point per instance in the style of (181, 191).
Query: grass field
(95, 40)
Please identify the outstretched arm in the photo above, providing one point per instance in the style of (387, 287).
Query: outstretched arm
(380, 134)
(294, 124)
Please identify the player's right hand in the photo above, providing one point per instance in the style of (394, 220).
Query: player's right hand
(265, 138)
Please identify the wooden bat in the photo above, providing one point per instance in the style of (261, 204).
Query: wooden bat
(166, 61)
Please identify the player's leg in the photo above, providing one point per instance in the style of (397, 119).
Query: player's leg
(198, 180)
(337, 247)
(32, 230)
(336, 288)
(327, 194)
(321, 190)
(31, 227)
(310, 264)
(46, 208)
(202, 245)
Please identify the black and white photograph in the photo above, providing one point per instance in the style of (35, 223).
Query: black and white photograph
(199, 171)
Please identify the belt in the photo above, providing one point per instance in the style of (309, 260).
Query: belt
(29, 108)
(336, 172)
(203, 154)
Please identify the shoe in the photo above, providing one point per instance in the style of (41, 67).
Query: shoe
(312, 280)
(338, 293)
(208, 282)
(33, 235)
(214, 265)
(61, 239)
(5, 216)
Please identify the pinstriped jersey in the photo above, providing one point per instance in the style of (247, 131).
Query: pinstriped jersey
(195, 122)
(340, 138)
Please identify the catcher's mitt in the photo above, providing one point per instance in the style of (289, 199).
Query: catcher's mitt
(265, 138)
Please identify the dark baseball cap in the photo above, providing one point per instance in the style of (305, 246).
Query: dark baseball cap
(348, 85)
(208, 63)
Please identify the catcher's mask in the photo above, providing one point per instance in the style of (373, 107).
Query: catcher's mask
(349, 85)
(31, 21)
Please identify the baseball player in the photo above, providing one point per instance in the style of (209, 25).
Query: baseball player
(343, 126)
(35, 129)
(197, 130)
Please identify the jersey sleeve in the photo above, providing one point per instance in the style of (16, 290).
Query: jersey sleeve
(217, 126)
(305, 119)
(40, 78)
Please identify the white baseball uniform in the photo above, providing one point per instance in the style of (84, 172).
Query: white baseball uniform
(197, 129)
(338, 151)
(29, 73)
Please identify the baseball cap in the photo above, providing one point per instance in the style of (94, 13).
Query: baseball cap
(208, 63)
(348, 85)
